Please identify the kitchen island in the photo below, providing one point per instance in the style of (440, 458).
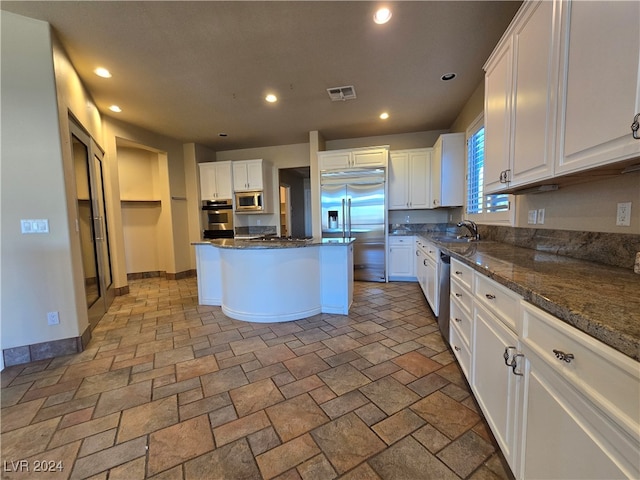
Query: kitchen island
(276, 280)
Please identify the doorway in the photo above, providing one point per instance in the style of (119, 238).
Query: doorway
(296, 183)
(92, 223)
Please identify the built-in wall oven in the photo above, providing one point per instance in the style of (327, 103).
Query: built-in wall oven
(217, 219)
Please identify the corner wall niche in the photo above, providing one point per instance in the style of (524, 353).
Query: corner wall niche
(139, 173)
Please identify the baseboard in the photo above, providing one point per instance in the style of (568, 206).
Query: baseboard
(45, 350)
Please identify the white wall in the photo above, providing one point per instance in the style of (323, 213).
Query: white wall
(40, 272)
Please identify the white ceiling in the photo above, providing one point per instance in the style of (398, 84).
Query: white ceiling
(193, 69)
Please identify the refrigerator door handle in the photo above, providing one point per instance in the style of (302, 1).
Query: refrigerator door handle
(349, 210)
(343, 217)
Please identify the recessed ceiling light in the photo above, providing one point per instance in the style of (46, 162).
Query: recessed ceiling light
(271, 98)
(102, 72)
(448, 76)
(115, 108)
(384, 115)
(383, 15)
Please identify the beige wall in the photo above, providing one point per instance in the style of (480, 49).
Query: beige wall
(40, 272)
(396, 142)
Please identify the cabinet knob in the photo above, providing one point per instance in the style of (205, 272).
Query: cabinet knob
(457, 348)
(490, 297)
(458, 295)
(458, 320)
(635, 126)
(567, 357)
(458, 272)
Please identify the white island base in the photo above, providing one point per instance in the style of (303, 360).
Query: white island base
(280, 284)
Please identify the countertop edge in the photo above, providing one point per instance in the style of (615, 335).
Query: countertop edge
(240, 244)
(620, 341)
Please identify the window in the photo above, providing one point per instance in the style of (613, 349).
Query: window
(480, 207)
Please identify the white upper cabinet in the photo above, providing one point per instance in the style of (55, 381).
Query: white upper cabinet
(520, 106)
(409, 182)
(600, 87)
(353, 158)
(447, 171)
(562, 89)
(215, 180)
(248, 175)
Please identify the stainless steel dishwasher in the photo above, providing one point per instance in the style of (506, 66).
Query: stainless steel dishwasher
(443, 299)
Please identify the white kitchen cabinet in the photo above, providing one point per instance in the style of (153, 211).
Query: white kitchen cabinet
(215, 180)
(248, 175)
(560, 403)
(409, 179)
(447, 171)
(428, 271)
(402, 264)
(353, 158)
(497, 389)
(600, 87)
(520, 99)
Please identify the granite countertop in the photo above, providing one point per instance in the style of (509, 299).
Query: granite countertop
(255, 244)
(600, 300)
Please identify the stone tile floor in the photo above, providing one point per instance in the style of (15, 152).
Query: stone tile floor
(168, 389)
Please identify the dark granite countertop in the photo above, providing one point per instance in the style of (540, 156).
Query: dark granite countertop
(256, 244)
(600, 300)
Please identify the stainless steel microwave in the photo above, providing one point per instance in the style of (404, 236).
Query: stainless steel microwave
(250, 202)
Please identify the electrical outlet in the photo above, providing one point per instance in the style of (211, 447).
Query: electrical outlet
(53, 318)
(623, 217)
(541, 216)
(532, 219)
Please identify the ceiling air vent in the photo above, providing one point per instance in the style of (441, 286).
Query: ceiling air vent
(337, 94)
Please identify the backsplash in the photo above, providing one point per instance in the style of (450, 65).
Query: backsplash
(615, 249)
(256, 230)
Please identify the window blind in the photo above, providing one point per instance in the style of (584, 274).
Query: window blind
(475, 169)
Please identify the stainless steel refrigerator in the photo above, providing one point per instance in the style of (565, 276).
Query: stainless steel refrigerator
(353, 205)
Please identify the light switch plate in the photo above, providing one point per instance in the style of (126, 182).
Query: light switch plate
(34, 226)
(541, 216)
(533, 217)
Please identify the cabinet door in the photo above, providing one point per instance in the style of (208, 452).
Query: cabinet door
(421, 269)
(254, 175)
(334, 160)
(600, 88)
(418, 179)
(497, 98)
(370, 158)
(207, 180)
(401, 258)
(240, 180)
(431, 284)
(495, 385)
(535, 75)
(559, 435)
(223, 180)
(398, 181)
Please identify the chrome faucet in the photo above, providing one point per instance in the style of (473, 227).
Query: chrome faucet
(472, 227)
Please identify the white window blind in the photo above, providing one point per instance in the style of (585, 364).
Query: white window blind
(475, 169)
(477, 202)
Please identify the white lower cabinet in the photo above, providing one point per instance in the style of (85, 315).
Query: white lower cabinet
(402, 264)
(560, 403)
(497, 389)
(428, 272)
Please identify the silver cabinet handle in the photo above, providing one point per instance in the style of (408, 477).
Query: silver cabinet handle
(506, 356)
(635, 126)
(514, 365)
(424, 262)
(458, 320)
(458, 272)
(567, 357)
(490, 297)
(458, 295)
(457, 348)
(417, 253)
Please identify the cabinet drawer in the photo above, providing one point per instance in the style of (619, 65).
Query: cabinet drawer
(504, 303)
(461, 294)
(408, 240)
(431, 251)
(608, 378)
(460, 350)
(462, 273)
(461, 319)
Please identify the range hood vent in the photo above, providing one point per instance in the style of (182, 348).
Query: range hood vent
(340, 94)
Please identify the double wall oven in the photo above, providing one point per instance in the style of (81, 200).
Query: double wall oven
(217, 219)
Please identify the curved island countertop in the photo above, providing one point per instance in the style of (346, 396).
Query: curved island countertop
(601, 301)
(275, 280)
